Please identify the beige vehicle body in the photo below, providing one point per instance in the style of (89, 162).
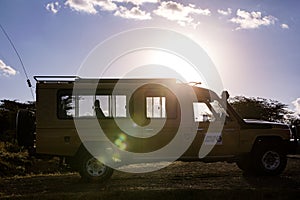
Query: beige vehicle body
(57, 105)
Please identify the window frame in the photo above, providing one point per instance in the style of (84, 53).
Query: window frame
(162, 115)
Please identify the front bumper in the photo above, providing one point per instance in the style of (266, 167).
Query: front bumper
(293, 146)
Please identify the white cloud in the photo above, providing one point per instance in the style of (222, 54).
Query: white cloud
(296, 103)
(137, 2)
(225, 12)
(89, 6)
(6, 70)
(180, 13)
(133, 13)
(53, 7)
(252, 20)
(284, 26)
(183, 14)
(106, 5)
(82, 6)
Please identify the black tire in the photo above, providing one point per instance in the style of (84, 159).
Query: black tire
(269, 160)
(25, 128)
(92, 170)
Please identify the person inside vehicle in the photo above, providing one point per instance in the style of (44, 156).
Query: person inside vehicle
(98, 110)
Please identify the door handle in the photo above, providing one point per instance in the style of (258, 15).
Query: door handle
(229, 129)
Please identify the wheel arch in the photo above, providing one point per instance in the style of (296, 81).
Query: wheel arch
(267, 140)
(270, 141)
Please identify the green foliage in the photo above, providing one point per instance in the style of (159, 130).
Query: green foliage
(260, 108)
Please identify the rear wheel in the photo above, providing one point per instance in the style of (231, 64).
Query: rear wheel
(91, 169)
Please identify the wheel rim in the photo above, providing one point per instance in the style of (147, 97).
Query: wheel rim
(271, 160)
(94, 167)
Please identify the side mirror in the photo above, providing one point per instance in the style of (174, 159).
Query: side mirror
(225, 95)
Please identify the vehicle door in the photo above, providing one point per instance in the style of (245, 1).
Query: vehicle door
(218, 131)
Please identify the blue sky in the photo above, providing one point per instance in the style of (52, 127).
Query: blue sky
(254, 44)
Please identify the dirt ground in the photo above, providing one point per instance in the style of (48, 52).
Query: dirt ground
(181, 180)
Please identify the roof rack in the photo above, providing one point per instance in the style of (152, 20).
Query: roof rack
(72, 79)
(60, 79)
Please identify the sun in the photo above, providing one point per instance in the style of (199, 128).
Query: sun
(154, 63)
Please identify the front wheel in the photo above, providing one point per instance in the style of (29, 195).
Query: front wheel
(91, 169)
(269, 160)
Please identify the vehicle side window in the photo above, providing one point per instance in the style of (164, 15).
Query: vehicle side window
(156, 107)
(202, 113)
(83, 106)
(210, 112)
(113, 105)
(66, 106)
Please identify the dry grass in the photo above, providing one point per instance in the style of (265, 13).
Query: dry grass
(16, 162)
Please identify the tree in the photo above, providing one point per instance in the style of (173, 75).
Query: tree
(260, 108)
(14, 106)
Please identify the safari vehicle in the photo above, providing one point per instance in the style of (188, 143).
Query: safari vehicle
(256, 147)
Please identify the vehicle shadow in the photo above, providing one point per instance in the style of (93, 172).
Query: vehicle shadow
(271, 182)
(278, 187)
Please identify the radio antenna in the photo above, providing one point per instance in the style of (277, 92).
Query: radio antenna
(23, 66)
